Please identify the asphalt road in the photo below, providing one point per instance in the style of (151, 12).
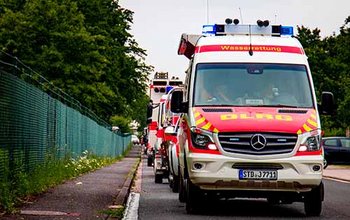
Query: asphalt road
(157, 201)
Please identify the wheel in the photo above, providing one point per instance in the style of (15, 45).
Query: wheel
(149, 161)
(313, 201)
(193, 197)
(325, 164)
(182, 196)
(158, 178)
(175, 184)
(171, 181)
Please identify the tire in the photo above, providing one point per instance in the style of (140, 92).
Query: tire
(182, 195)
(171, 180)
(313, 201)
(158, 178)
(175, 187)
(193, 197)
(149, 161)
(325, 164)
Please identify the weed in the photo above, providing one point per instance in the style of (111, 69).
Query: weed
(114, 212)
(15, 188)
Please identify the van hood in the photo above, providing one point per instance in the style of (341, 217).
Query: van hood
(255, 119)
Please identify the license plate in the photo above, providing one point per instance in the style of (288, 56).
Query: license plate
(257, 174)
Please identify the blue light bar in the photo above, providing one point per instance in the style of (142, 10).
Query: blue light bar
(227, 29)
(209, 30)
(167, 89)
(287, 30)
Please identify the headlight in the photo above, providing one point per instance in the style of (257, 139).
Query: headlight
(202, 139)
(311, 143)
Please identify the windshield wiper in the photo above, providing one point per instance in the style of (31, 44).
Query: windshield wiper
(222, 105)
(281, 106)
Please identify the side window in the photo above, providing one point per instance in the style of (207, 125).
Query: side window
(161, 114)
(345, 142)
(331, 142)
(178, 123)
(187, 91)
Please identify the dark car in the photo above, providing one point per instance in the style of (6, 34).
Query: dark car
(336, 150)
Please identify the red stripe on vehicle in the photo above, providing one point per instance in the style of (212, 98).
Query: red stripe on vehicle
(203, 151)
(255, 48)
(308, 153)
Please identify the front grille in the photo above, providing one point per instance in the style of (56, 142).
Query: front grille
(217, 110)
(295, 111)
(276, 143)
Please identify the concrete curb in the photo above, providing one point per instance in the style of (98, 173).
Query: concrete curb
(124, 192)
(336, 178)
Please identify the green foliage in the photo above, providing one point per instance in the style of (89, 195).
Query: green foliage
(334, 132)
(52, 173)
(117, 212)
(121, 122)
(83, 47)
(329, 60)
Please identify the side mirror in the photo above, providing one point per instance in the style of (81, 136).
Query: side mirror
(327, 103)
(149, 120)
(177, 104)
(170, 130)
(149, 113)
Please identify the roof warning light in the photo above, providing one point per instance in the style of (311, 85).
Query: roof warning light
(262, 28)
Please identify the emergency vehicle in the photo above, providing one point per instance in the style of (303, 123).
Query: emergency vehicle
(166, 119)
(162, 117)
(250, 124)
(159, 85)
(171, 140)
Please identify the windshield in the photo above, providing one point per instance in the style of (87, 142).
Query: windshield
(252, 85)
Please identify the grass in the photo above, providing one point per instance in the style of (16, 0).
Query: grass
(21, 187)
(114, 212)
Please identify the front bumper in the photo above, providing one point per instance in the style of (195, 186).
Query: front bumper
(220, 172)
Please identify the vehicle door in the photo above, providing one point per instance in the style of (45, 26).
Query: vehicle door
(332, 149)
(345, 150)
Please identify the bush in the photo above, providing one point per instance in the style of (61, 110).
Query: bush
(334, 132)
(121, 122)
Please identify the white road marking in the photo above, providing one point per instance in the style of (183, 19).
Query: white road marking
(132, 207)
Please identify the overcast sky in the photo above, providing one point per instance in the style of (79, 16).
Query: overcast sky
(158, 24)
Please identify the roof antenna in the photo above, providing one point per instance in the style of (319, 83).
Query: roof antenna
(250, 41)
(207, 11)
(240, 13)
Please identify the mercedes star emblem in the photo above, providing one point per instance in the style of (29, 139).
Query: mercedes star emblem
(258, 141)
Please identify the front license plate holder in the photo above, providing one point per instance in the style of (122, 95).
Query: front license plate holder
(246, 174)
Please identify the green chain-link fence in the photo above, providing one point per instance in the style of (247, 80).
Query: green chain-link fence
(37, 119)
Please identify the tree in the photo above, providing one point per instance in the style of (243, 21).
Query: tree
(82, 47)
(329, 60)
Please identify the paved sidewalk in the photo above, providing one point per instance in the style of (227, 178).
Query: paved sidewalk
(87, 196)
(339, 172)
